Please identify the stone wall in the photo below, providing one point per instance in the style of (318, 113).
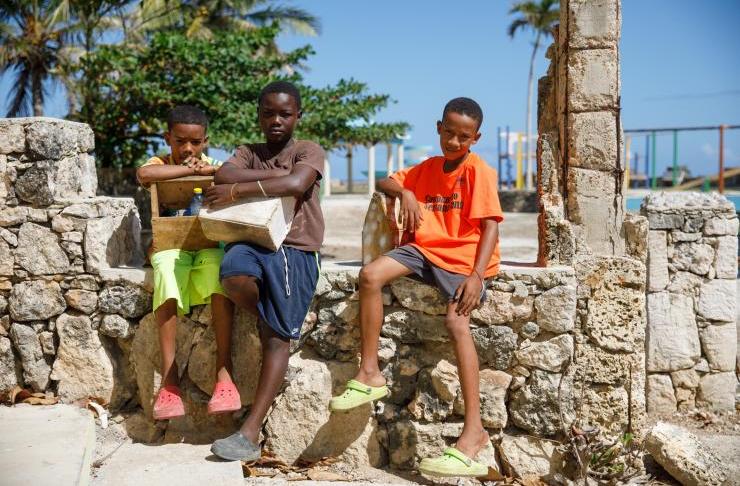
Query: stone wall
(691, 301)
(56, 237)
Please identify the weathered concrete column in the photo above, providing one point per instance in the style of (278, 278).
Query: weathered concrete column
(582, 212)
(371, 170)
(327, 177)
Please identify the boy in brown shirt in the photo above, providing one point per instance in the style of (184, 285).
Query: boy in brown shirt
(276, 286)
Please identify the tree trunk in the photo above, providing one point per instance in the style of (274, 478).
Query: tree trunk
(37, 94)
(350, 182)
(530, 90)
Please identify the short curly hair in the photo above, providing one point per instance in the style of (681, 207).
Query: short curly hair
(281, 87)
(186, 115)
(464, 106)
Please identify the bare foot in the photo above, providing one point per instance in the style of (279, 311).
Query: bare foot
(372, 378)
(471, 443)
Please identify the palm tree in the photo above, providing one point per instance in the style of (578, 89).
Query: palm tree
(539, 16)
(32, 47)
(200, 18)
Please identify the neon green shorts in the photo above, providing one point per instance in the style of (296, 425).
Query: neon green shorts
(189, 277)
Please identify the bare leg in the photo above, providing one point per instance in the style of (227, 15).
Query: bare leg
(222, 316)
(473, 436)
(166, 315)
(275, 355)
(373, 277)
(243, 292)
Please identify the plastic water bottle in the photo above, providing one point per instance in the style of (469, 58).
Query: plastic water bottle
(196, 203)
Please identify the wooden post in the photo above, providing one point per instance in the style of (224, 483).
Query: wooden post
(371, 170)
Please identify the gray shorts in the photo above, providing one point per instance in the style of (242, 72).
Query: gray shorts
(426, 271)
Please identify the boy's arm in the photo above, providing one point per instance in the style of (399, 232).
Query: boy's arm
(295, 183)
(149, 173)
(411, 217)
(468, 294)
(230, 174)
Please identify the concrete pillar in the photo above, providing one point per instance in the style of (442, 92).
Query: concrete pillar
(371, 169)
(400, 156)
(388, 159)
(327, 177)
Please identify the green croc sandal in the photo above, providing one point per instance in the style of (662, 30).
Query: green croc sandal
(452, 463)
(357, 394)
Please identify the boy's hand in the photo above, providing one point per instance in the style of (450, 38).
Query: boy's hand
(218, 195)
(200, 166)
(467, 295)
(411, 217)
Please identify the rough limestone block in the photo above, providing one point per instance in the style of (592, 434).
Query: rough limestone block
(115, 238)
(594, 205)
(35, 300)
(662, 220)
(39, 252)
(13, 216)
(717, 300)
(657, 261)
(35, 368)
(615, 319)
(12, 137)
(593, 23)
(52, 139)
(592, 140)
(549, 355)
(352, 436)
(672, 335)
(721, 227)
(660, 396)
(526, 455)
(685, 379)
(556, 309)
(725, 262)
(717, 390)
(694, 257)
(636, 234)
(593, 79)
(6, 259)
(50, 181)
(534, 407)
(82, 367)
(684, 456)
(719, 344)
(10, 367)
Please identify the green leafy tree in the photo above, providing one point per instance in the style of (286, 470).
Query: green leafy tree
(33, 37)
(133, 89)
(540, 17)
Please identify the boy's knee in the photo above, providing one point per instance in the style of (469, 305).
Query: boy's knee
(457, 327)
(239, 290)
(369, 277)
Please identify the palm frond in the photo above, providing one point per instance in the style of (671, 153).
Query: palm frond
(297, 19)
(20, 94)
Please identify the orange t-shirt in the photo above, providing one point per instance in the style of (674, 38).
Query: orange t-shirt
(453, 206)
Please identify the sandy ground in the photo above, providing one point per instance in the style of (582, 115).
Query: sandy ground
(344, 216)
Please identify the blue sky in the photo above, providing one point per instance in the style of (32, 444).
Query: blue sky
(679, 67)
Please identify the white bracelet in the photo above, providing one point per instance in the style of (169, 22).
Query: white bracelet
(259, 184)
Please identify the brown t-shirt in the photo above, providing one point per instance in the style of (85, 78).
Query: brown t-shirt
(307, 231)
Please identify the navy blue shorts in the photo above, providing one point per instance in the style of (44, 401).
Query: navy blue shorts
(286, 279)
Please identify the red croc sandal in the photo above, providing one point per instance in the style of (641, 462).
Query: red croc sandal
(225, 398)
(168, 404)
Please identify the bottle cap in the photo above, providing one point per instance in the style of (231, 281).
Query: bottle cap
(198, 190)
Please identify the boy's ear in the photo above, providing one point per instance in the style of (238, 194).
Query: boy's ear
(476, 138)
(167, 137)
(300, 114)
(205, 141)
(439, 127)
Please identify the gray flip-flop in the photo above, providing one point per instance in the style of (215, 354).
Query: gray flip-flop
(236, 447)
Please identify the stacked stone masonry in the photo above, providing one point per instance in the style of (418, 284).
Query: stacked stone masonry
(691, 333)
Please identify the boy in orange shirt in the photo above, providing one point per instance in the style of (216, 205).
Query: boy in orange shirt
(450, 205)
